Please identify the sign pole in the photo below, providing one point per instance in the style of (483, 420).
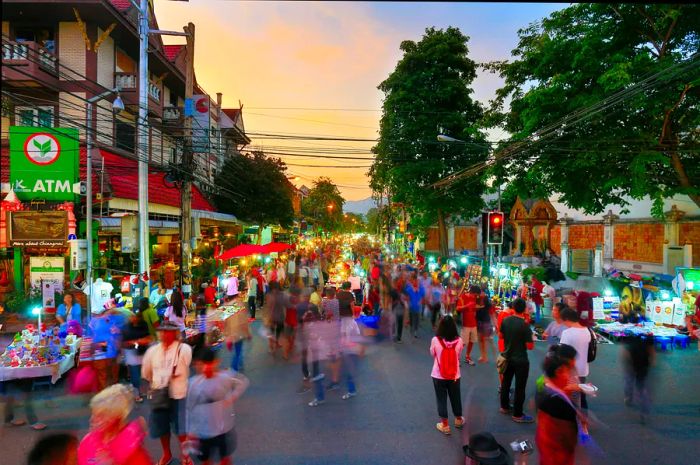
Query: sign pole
(88, 206)
(142, 145)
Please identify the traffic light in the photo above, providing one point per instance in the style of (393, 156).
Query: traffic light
(495, 228)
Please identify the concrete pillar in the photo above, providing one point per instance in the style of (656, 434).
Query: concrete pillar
(564, 257)
(451, 238)
(671, 226)
(688, 255)
(518, 237)
(598, 261)
(609, 238)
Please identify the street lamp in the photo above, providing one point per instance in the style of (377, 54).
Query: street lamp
(117, 106)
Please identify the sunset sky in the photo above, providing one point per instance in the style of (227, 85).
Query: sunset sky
(303, 68)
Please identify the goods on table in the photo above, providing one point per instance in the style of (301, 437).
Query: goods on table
(646, 329)
(34, 347)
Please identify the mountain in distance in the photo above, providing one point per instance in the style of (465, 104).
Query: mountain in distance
(359, 206)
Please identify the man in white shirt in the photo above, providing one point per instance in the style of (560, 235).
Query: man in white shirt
(579, 337)
(166, 365)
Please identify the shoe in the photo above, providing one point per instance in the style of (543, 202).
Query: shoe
(318, 377)
(506, 411)
(524, 419)
(18, 422)
(469, 362)
(333, 386)
(38, 426)
(250, 320)
(316, 403)
(443, 429)
(349, 395)
(459, 422)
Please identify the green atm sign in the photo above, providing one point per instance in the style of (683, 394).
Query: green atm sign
(44, 162)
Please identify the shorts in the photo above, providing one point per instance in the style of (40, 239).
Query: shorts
(163, 422)
(276, 330)
(225, 444)
(469, 335)
(485, 328)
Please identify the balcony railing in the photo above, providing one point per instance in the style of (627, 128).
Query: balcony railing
(172, 113)
(29, 52)
(129, 81)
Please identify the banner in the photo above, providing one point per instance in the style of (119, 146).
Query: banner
(44, 162)
(47, 270)
(200, 124)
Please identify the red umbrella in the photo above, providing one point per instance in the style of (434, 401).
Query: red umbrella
(276, 247)
(242, 250)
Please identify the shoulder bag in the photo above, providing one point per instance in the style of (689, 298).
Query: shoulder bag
(160, 398)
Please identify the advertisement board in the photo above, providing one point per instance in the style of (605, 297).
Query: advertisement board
(38, 229)
(49, 270)
(200, 123)
(44, 162)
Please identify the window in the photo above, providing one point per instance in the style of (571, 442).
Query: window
(41, 35)
(34, 116)
(126, 135)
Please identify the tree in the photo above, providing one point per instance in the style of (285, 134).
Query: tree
(255, 189)
(643, 142)
(353, 223)
(324, 204)
(430, 92)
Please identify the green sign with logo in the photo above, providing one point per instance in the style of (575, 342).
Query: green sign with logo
(44, 162)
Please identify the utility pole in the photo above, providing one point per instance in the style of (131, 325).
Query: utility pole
(187, 165)
(142, 149)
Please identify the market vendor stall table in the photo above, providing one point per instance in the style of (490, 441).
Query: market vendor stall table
(54, 370)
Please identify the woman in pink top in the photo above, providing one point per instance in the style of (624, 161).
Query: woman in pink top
(445, 349)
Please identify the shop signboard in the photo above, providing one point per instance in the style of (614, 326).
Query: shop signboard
(47, 270)
(44, 163)
(38, 229)
(200, 124)
(78, 254)
(654, 311)
(48, 295)
(679, 311)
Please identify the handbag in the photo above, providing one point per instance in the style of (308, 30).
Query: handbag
(160, 398)
(501, 364)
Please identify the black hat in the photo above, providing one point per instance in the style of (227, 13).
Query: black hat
(484, 449)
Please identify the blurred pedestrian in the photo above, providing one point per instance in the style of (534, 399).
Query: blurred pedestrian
(106, 327)
(466, 306)
(275, 311)
(517, 338)
(166, 368)
(176, 312)
(485, 319)
(445, 348)
(55, 449)
(638, 358)
(135, 342)
(416, 296)
(112, 438)
(210, 416)
(555, 328)
(252, 294)
(21, 388)
(579, 337)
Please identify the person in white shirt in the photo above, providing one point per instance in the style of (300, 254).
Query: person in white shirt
(232, 287)
(166, 365)
(579, 337)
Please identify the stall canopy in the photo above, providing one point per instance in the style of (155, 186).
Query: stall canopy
(242, 250)
(276, 247)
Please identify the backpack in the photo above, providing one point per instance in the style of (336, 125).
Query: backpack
(448, 363)
(592, 347)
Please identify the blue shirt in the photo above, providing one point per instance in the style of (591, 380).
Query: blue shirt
(75, 312)
(414, 297)
(107, 329)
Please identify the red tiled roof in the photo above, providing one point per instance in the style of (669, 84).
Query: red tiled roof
(123, 175)
(121, 5)
(171, 51)
(232, 113)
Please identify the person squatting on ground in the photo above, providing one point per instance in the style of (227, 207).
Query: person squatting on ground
(210, 416)
(445, 348)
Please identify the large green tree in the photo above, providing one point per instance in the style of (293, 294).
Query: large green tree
(639, 60)
(255, 189)
(430, 92)
(324, 205)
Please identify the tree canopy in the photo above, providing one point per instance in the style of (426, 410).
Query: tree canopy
(264, 194)
(324, 204)
(641, 62)
(430, 92)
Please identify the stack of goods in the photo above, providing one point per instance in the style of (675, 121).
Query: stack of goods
(35, 347)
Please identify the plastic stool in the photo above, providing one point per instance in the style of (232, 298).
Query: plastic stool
(664, 342)
(682, 341)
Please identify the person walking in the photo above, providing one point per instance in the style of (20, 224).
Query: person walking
(485, 320)
(166, 367)
(176, 312)
(445, 348)
(252, 294)
(416, 296)
(135, 341)
(517, 338)
(466, 306)
(210, 416)
(437, 300)
(112, 438)
(579, 337)
(638, 358)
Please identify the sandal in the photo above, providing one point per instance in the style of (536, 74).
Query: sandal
(38, 426)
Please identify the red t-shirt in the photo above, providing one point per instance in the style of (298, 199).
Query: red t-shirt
(210, 295)
(467, 305)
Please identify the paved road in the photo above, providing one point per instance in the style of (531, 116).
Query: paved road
(392, 419)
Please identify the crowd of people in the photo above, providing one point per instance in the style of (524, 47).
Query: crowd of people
(311, 307)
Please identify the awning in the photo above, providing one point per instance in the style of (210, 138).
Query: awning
(224, 217)
(108, 222)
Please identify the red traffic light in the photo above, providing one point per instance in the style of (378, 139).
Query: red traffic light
(496, 220)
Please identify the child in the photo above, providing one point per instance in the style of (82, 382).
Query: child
(210, 398)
